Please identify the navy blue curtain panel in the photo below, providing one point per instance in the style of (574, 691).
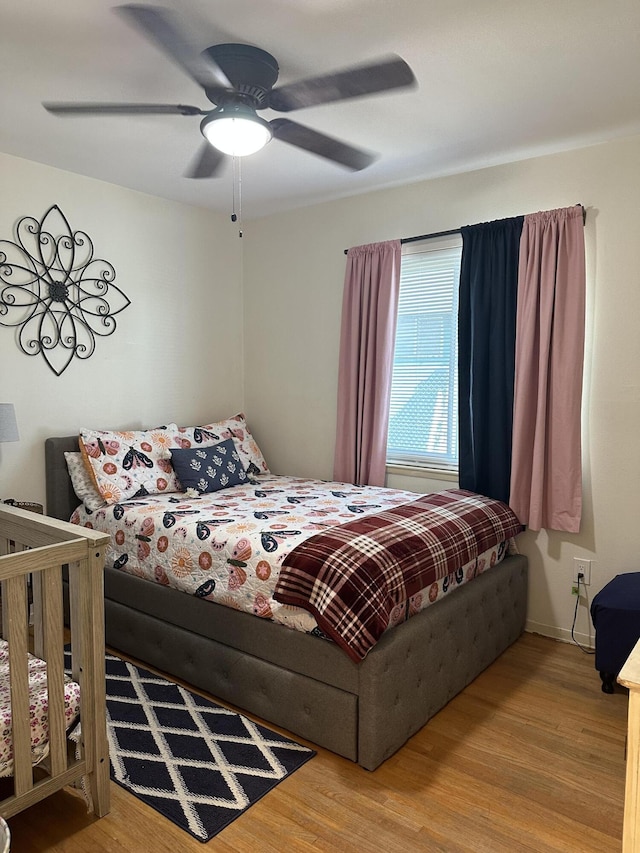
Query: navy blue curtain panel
(486, 354)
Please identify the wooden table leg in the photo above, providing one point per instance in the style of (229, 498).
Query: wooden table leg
(630, 677)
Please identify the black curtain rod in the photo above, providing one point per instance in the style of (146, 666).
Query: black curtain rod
(430, 236)
(426, 236)
(457, 231)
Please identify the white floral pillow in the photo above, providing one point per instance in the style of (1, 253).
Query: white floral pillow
(82, 482)
(129, 464)
(236, 428)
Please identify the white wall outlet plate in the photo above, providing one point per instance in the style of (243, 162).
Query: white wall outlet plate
(582, 567)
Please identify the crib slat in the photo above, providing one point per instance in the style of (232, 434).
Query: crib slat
(4, 611)
(4, 616)
(75, 622)
(54, 655)
(38, 615)
(16, 589)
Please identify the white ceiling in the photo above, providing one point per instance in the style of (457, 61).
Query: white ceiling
(499, 80)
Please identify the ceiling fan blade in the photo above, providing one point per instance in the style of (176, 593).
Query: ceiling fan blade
(161, 26)
(64, 109)
(207, 162)
(390, 73)
(320, 144)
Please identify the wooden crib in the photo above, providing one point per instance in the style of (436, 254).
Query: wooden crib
(34, 550)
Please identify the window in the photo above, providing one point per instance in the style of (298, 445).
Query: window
(423, 416)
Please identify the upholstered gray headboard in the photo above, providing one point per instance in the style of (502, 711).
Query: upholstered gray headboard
(61, 499)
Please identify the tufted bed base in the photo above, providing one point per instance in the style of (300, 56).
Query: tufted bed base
(364, 712)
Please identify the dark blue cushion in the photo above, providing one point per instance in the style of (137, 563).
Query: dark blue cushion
(209, 469)
(615, 612)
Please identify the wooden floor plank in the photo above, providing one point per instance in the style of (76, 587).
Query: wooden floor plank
(528, 759)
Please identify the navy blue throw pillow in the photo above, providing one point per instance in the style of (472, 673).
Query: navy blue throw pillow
(209, 469)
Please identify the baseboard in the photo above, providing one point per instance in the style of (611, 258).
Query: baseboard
(563, 634)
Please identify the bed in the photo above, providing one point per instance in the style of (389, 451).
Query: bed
(41, 704)
(364, 711)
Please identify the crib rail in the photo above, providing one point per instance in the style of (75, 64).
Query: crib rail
(34, 552)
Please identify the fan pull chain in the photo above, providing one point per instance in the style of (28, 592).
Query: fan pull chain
(237, 180)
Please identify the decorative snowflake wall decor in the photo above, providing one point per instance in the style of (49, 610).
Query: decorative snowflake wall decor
(55, 292)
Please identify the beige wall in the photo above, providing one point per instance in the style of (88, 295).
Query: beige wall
(293, 274)
(176, 354)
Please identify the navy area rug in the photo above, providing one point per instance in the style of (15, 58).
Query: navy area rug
(197, 763)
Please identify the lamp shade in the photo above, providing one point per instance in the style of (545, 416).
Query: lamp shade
(8, 423)
(235, 129)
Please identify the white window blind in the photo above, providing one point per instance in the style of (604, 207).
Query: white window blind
(423, 416)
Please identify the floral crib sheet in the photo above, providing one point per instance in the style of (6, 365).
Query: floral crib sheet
(38, 709)
(228, 546)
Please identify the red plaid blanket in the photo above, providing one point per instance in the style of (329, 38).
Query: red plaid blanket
(350, 577)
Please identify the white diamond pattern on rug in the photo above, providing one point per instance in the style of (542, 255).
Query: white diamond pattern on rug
(198, 763)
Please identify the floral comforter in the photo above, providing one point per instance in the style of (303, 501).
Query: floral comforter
(229, 546)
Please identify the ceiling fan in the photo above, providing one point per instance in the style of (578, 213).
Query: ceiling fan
(239, 79)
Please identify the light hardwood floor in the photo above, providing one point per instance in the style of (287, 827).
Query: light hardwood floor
(530, 758)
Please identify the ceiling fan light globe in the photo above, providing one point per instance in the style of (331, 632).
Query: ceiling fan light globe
(236, 135)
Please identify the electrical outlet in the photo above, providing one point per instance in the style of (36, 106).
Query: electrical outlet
(582, 567)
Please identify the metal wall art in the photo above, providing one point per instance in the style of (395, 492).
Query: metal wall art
(55, 292)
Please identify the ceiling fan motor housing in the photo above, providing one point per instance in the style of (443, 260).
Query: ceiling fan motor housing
(252, 71)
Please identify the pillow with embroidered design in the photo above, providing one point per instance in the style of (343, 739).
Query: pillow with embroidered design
(236, 428)
(130, 463)
(209, 469)
(82, 483)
